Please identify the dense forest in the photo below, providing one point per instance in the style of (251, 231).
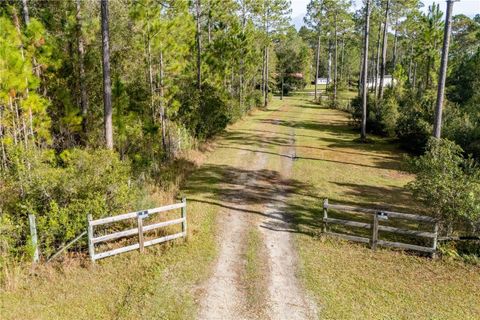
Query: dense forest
(174, 74)
(97, 98)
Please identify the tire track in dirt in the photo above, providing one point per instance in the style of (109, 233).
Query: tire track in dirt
(224, 292)
(225, 297)
(287, 299)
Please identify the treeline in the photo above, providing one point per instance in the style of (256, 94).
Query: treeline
(393, 61)
(144, 78)
(405, 45)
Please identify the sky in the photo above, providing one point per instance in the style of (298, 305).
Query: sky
(467, 7)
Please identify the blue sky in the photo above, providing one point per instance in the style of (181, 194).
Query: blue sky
(467, 7)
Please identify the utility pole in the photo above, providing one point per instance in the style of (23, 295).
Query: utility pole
(437, 128)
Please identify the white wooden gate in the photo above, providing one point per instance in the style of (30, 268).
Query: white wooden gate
(140, 230)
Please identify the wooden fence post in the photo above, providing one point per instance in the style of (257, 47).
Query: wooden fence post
(375, 231)
(34, 238)
(140, 232)
(184, 216)
(91, 248)
(325, 214)
(435, 240)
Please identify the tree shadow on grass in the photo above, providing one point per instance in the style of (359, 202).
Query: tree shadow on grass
(307, 213)
(239, 189)
(386, 165)
(253, 139)
(255, 131)
(343, 139)
(384, 198)
(332, 127)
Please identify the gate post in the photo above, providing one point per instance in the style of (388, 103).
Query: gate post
(184, 216)
(325, 215)
(375, 231)
(91, 248)
(34, 237)
(435, 240)
(140, 232)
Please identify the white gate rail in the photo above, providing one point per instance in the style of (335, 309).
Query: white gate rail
(140, 230)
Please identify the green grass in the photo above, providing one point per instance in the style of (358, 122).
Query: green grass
(254, 273)
(165, 282)
(349, 281)
(157, 285)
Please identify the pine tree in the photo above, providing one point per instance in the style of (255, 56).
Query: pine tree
(107, 88)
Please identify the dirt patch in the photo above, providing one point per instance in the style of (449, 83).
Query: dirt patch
(287, 299)
(254, 198)
(225, 296)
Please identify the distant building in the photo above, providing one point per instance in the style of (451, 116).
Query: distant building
(387, 82)
(322, 81)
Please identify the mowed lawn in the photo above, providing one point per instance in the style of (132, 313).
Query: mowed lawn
(347, 280)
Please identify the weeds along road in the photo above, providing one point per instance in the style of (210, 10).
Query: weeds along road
(255, 272)
(276, 167)
(253, 249)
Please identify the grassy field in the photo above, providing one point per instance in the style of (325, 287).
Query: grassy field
(157, 285)
(165, 283)
(349, 281)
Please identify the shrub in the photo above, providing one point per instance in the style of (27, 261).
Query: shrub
(414, 125)
(448, 184)
(61, 191)
(462, 125)
(388, 114)
(207, 113)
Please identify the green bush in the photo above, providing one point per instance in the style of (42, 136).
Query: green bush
(61, 191)
(414, 125)
(206, 113)
(374, 113)
(388, 115)
(449, 185)
(462, 125)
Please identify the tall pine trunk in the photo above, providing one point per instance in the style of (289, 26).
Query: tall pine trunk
(410, 63)
(377, 61)
(317, 64)
(384, 51)
(26, 16)
(150, 74)
(199, 44)
(242, 62)
(107, 87)
(395, 48)
(437, 129)
(162, 106)
(415, 65)
(329, 62)
(16, 22)
(335, 68)
(342, 60)
(81, 70)
(263, 74)
(363, 134)
(266, 77)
